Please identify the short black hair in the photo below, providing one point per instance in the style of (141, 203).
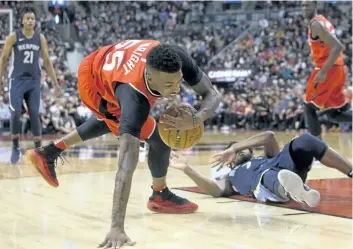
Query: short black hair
(164, 58)
(27, 9)
(232, 164)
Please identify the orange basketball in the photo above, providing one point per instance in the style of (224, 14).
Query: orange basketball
(177, 139)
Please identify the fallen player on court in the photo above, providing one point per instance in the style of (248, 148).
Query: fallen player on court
(278, 176)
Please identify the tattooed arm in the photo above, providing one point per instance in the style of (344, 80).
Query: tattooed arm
(128, 157)
(134, 113)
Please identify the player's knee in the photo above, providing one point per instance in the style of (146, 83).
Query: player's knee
(160, 146)
(305, 141)
(158, 155)
(308, 146)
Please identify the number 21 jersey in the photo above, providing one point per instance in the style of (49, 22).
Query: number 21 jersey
(25, 56)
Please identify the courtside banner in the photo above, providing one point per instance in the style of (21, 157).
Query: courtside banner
(227, 75)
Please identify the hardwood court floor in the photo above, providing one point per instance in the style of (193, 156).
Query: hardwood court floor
(77, 214)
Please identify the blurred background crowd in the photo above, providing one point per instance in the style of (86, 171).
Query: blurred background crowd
(256, 54)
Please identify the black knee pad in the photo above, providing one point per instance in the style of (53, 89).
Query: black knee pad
(305, 148)
(92, 128)
(158, 155)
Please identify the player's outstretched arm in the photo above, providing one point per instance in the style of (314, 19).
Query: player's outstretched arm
(323, 33)
(128, 158)
(10, 41)
(47, 62)
(266, 139)
(134, 113)
(214, 188)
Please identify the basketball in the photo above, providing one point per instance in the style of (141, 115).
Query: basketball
(177, 139)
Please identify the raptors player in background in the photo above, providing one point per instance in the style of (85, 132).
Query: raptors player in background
(120, 84)
(26, 45)
(325, 89)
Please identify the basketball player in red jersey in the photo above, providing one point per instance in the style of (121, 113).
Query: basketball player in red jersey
(325, 89)
(120, 84)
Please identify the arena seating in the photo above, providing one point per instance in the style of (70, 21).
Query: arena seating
(274, 50)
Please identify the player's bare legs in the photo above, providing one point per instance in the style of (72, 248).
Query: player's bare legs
(159, 182)
(334, 160)
(303, 150)
(71, 138)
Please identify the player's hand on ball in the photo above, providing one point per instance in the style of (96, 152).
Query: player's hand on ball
(178, 161)
(223, 158)
(183, 121)
(116, 239)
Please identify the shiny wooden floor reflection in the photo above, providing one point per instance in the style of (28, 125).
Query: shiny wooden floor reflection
(77, 214)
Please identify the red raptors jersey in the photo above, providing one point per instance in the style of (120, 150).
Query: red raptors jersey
(320, 50)
(123, 62)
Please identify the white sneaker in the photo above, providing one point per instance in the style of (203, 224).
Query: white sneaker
(294, 186)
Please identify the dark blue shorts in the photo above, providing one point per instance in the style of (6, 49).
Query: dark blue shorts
(27, 89)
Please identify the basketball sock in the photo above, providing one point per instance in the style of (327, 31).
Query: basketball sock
(15, 143)
(158, 189)
(37, 143)
(60, 144)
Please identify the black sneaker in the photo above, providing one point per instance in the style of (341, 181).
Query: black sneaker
(166, 202)
(44, 159)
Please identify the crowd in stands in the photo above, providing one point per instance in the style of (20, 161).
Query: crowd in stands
(53, 110)
(279, 58)
(275, 51)
(165, 21)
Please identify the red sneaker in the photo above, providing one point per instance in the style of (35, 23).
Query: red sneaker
(44, 160)
(166, 202)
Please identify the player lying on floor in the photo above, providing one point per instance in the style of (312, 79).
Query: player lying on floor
(277, 176)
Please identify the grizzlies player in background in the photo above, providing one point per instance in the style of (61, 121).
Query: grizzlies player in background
(26, 45)
(277, 176)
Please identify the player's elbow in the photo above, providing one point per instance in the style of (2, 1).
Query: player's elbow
(338, 47)
(269, 135)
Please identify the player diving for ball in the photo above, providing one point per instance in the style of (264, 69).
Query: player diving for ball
(120, 83)
(278, 176)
